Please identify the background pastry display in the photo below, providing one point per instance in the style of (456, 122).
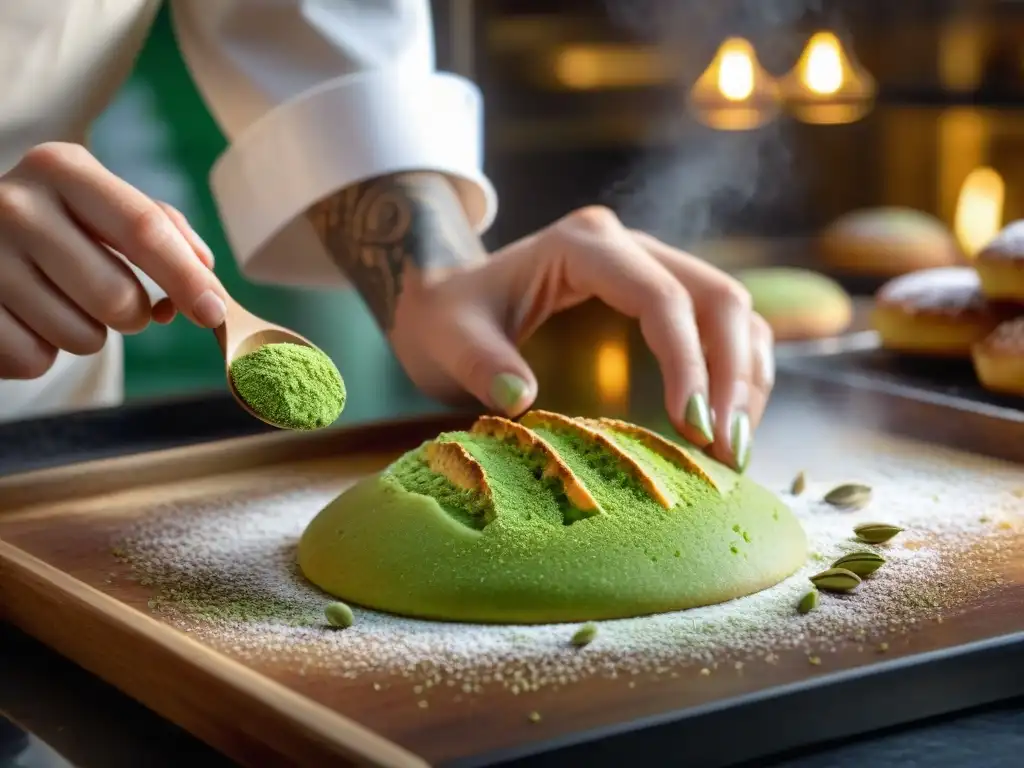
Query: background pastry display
(974, 312)
(887, 242)
(798, 304)
(939, 312)
(999, 358)
(551, 519)
(1000, 266)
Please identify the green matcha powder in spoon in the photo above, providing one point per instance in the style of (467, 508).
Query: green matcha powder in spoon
(290, 385)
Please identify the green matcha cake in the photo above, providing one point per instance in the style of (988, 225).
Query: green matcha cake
(551, 519)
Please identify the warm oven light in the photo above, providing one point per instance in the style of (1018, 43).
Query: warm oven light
(824, 72)
(612, 373)
(734, 93)
(826, 86)
(605, 67)
(736, 75)
(979, 209)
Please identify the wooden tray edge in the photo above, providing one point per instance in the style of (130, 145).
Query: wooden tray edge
(245, 701)
(190, 462)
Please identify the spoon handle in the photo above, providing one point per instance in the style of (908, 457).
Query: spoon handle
(238, 324)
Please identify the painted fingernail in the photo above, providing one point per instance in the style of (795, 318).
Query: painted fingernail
(507, 390)
(210, 309)
(740, 440)
(698, 416)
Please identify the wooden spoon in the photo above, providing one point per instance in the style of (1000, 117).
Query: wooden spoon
(243, 332)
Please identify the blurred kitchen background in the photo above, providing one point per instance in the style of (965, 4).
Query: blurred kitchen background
(735, 129)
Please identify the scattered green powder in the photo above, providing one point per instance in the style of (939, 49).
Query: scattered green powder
(339, 615)
(224, 570)
(290, 385)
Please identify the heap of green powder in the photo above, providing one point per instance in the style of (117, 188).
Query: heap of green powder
(290, 385)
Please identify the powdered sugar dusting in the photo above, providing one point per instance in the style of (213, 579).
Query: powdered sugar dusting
(1007, 245)
(943, 290)
(224, 570)
(1008, 337)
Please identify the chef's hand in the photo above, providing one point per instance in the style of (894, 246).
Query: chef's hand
(455, 317)
(715, 353)
(61, 286)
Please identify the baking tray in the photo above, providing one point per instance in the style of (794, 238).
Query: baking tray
(56, 526)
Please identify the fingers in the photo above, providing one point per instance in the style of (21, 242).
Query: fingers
(725, 326)
(202, 250)
(93, 278)
(62, 217)
(474, 351)
(23, 354)
(762, 343)
(724, 316)
(600, 258)
(38, 304)
(131, 223)
(163, 312)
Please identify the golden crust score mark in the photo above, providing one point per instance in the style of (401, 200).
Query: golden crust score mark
(557, 422)
(503, 429)
(462, 470)
(668, 450)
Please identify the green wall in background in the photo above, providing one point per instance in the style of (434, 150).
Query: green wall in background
(158, 135)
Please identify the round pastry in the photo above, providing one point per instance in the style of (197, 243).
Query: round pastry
(550, 519)
(1000, 265)
(999, 358)
(938, 312)
(888, 242)
(798, 303)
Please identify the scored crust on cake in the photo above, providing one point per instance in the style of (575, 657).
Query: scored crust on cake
(550, 519)
(939, 312)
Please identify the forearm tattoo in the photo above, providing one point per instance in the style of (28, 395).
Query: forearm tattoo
(378, 231)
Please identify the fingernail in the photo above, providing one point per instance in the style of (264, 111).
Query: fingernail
(210, 309)
(507, 390)
(698, 416)
(767, 366)
(740, 440)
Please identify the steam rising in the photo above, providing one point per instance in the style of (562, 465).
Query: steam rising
(703, 184)
(714, 18)
(701, 187)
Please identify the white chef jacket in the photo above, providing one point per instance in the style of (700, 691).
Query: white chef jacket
(313, 95)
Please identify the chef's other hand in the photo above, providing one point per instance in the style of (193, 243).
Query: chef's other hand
(462, 331)
(61, 286)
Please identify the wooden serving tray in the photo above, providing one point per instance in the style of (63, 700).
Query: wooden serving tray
(60, 582)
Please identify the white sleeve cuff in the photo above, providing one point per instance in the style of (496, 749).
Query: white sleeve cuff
(338, 134)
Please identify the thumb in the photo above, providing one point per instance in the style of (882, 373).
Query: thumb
(480, 357)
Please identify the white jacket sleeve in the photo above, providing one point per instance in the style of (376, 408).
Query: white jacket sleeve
(316, 95)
